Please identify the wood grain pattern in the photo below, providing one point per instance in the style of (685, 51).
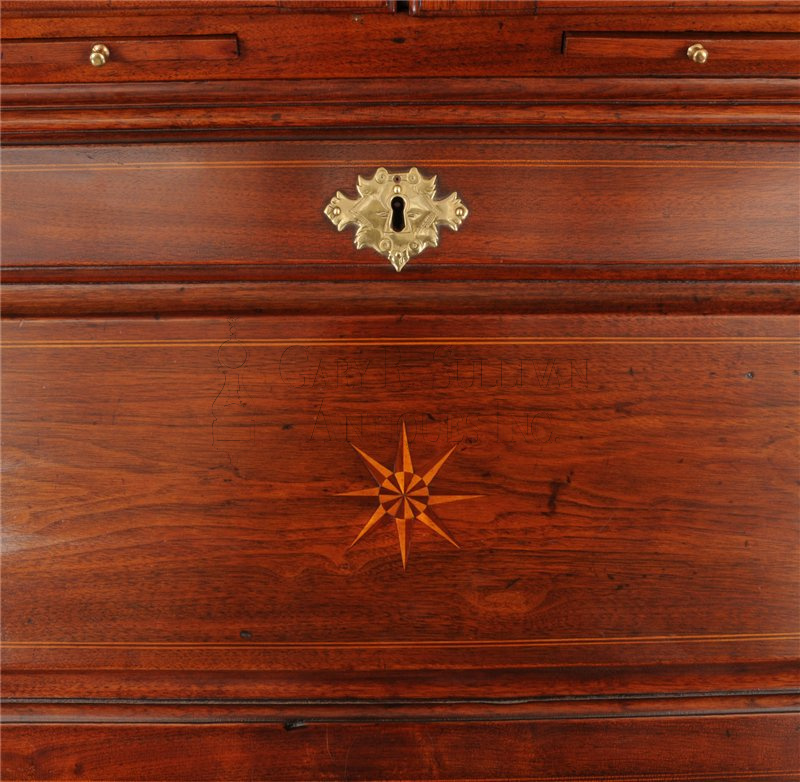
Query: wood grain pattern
(463, 298)
(768, 120)
(749, 109)
(671, 554)
(475, 7)
(756, 749)
(592, 204)
(129, 50)
(81, 711)
(26, 8)
(453, 90)
(654, 46)
(203, 384)
(354, 45)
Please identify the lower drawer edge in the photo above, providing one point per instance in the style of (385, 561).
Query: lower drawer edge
(756, 747)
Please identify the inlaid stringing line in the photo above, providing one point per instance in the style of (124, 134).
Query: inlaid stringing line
(512, 163)
(388, 341)
(522, 643)
(470, 263)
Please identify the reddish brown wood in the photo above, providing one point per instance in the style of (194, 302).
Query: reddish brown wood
(131, 711)
(456, 91)
(764, 7)
(757, 749)
(609, 346)
(770, 120)
(699, 405)
(237, 675)
(742, 48)
(123, 50)
(290, 299)
(34, 8)
(522, 106)
(295, 46)
(665, 133)
(605, 205)
(471, 7)
(310, 273)
(348, 45)
(31, 8)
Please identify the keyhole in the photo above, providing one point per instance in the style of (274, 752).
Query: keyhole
(398, 214)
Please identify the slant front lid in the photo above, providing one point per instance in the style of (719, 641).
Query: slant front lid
(571, 499)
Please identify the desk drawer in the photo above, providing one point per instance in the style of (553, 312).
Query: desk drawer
(119, 52)
(691, 52)
(535, 209)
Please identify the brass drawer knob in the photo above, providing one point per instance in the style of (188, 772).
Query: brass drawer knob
(697, 53)
(396, 214)
(99, 55)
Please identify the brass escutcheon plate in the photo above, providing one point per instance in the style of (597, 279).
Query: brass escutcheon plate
(396, 214)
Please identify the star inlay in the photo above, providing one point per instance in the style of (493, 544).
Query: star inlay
(405, 496)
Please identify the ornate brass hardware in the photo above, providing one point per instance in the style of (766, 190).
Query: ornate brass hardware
(99, 55)
(397, 214)
(697, 53)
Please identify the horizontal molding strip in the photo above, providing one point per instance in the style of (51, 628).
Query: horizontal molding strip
(458, 263)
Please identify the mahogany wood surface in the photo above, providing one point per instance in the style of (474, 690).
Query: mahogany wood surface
(654, 46)
(387, 69)
(670, 552)
(388, 46)
(527, 510)
(294, 714)
(616, 206)
(130, 50)
(32, 8)
(707, 749)
(456, 91)
(479, 7)
(765, 121)
(400, 297)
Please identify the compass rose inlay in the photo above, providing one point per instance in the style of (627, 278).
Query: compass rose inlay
(405, 495)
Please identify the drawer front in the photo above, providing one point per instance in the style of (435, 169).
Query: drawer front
(748, 50)
(535, 209)
(490, 506)
(121, 51)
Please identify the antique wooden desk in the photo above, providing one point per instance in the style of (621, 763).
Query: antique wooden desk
(507, 491)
